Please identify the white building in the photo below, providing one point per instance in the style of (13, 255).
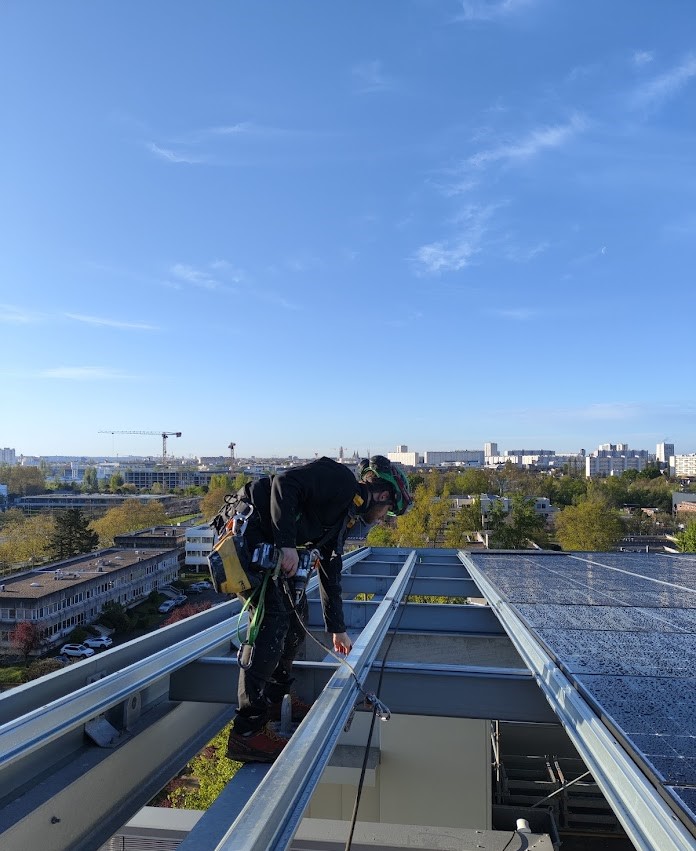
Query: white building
(664, 452)
(683, 466)
(403, 456)
(464, 457)
(199, 544)
(490, 449)
(613, 459)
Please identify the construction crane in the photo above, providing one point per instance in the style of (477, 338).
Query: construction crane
(163, 434)
(231, 448)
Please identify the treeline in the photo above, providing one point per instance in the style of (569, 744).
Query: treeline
(592, 514)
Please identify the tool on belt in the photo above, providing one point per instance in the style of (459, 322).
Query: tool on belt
(233, 570)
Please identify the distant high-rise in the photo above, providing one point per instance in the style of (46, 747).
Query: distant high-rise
(664, 452)
(490, 449)
(8, 456)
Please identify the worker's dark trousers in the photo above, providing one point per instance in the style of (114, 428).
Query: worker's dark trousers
(269, 677)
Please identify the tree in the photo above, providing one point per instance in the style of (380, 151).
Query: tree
(128, 517)
(115, 616)
(22, 481)
(687, 538)
(26, 539)
(115, 483)
(467, 521)
(212, 502)
(72, 535)
(26, 638)
(590, 526)
(514, 530)
(381, 535)
(90, 483)
(186, 611)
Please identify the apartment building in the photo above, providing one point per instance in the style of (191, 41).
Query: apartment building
(199, 543)
(683, 466)
(72, 593)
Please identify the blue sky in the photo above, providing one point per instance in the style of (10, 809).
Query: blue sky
(305, 225)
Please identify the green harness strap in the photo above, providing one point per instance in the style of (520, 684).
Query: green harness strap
(257, 618)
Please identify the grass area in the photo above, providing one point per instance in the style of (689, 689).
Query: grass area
(13, 675)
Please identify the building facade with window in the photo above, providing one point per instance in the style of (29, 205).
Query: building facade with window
(199, 543)
(72, 593)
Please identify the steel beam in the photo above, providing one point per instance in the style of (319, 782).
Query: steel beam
(452, 691)
(431, 586)
(417, 617)
(645, 816)
(272, 815)
(80, 806)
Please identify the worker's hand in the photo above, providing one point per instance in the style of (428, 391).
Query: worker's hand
(289, 561)
(341, 642)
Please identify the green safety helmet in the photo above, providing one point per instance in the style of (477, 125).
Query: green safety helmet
(383, 468)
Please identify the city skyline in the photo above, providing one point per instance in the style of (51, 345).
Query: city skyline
(300, 226)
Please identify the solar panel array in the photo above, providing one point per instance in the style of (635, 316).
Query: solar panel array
(622, 627)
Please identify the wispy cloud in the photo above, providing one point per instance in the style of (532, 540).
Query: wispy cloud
(517, 314)
(369, 77)
(520, 254)
(174, 156)
(540, 139)
(83, 373)
(111, 323)
(666, 85)
(454, 254)
(13, 315)
(491, 10)
(642, 57)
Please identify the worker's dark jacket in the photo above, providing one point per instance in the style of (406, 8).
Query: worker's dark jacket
(311, 506)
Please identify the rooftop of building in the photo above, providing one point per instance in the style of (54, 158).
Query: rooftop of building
(42, 582)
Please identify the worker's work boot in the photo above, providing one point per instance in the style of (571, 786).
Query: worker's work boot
(264, 745)
(299, 709)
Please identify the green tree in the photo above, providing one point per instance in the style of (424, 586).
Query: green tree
(687, 538)
(90, 483)
(473, 481)
(115, 616)
(128, 517)
(72, 535)
(26, 539)
(212, 502)
(589, 526)
(514, 530)
(381, 535)
(424, 525)
(116, 483)
(466, 522)
(22, 481)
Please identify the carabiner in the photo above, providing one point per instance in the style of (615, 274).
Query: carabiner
(245, 656)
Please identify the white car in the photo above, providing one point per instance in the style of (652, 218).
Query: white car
(99, 642)
(202, 586)
(167, 606)
(78, 651)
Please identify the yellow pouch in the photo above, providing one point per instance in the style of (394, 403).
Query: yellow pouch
(226, 570)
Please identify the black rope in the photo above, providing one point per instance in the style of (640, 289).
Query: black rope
(366, 755)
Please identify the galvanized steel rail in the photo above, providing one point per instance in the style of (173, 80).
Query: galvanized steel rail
(272, 815)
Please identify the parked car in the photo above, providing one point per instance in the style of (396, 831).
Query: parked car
(194, 589)
(167, 606)
(198, 587)
(180, 600)
(76, 651)
(204, 585)
(99, 642)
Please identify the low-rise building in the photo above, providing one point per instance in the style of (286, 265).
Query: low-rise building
(463, 457)
(199, 543)
(72, 593)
